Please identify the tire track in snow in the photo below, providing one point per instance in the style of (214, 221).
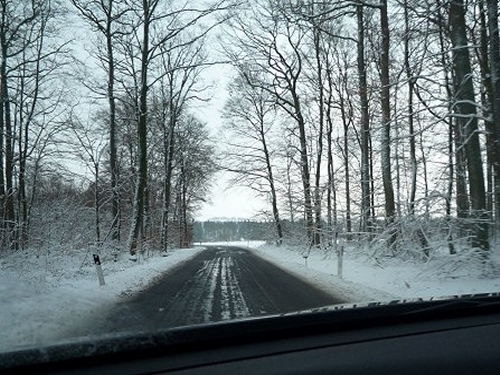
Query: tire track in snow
(212, 294)
(233, 301)
(191, 302)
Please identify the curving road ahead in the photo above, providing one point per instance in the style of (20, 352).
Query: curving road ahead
(220, 283)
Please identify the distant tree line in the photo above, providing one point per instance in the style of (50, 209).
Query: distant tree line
(211, 231)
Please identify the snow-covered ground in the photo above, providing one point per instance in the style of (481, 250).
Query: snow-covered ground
(42, 295)
(366, 278)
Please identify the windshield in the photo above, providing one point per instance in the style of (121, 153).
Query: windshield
(177, 163)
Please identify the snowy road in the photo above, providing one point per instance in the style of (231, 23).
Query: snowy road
(222, 282)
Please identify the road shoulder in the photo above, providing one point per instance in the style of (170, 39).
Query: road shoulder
(328, 282)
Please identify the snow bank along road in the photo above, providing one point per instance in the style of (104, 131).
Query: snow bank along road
(222, 282)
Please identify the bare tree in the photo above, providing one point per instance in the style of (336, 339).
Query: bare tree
(251, 115)
(464, 112)
(156, 24)
(272, 44)
(365, 124)
(195, 164)
(179, 85)
(29, 58)
(494, 62)
(386, 117)
(105, 17)
(346, 108)
(90, 147)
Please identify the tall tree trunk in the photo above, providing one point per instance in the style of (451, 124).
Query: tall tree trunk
(386, 117)
(168, 152)
(289, 184)
(3, 82)
(137, 227)
(452, 153)
(494, 55)
(345, 124)
(319, 156)
(21, 193)
(487, 102)
(270, 178)
(372, 180)
(9, 215)
(96, 204)
(183, 221)
(411, 126)
(462, 197)
(365, 125)
(329, 131)
(466, 118)
(113, 164)
(304, 168)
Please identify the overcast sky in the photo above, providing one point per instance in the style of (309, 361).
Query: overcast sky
(225, 202)
(231, 203)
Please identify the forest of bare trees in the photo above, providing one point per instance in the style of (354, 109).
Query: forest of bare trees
(98, 141)
(368, 121)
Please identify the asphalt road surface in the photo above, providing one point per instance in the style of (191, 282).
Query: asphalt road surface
(220, 283)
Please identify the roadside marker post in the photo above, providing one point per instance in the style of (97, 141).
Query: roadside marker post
(340, 264)
(98, 268)
(305, 254)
